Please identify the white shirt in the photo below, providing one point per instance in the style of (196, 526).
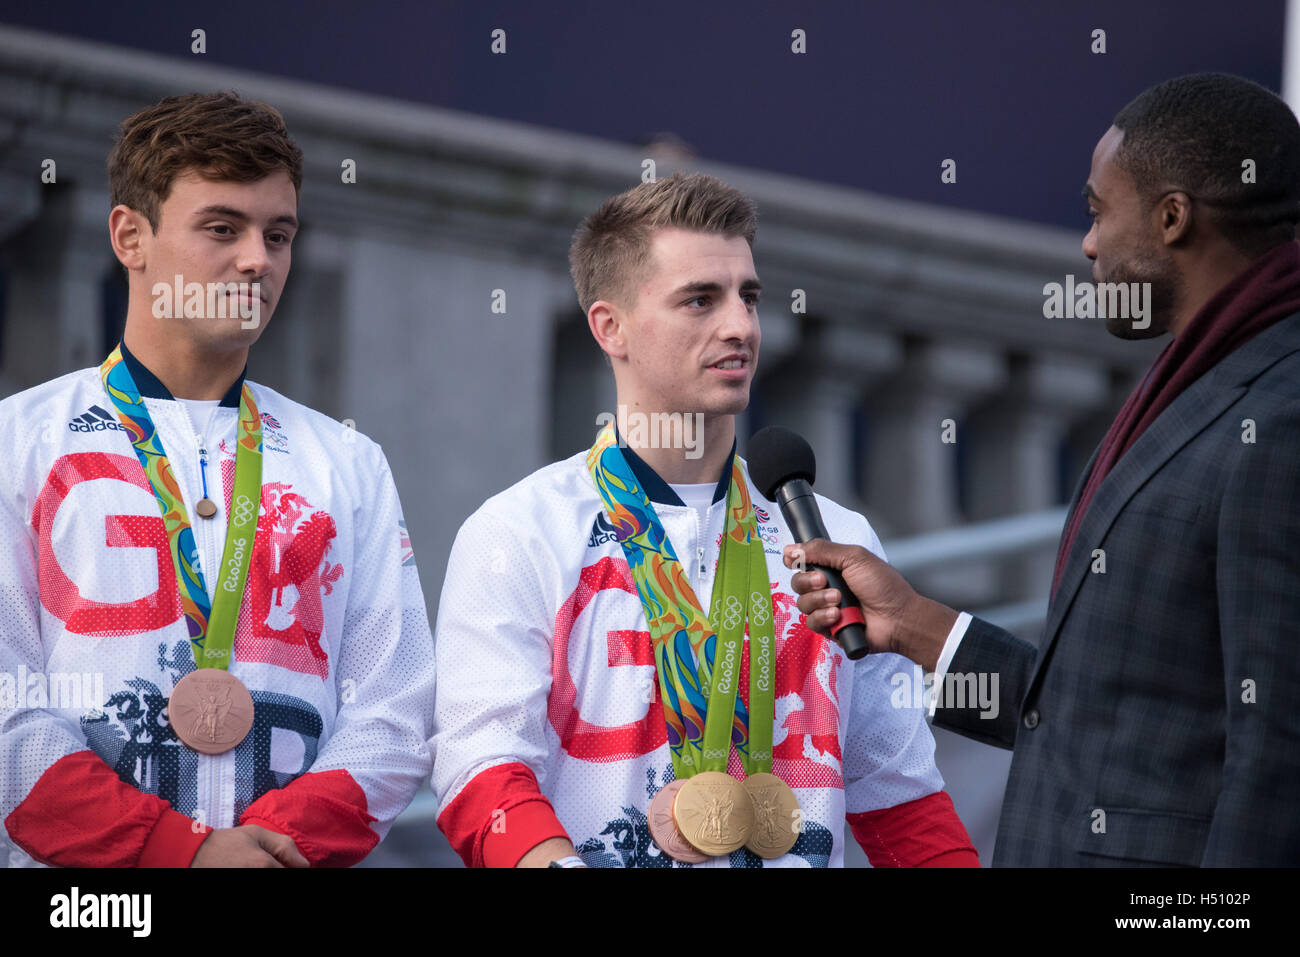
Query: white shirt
(698, 497)
(954, 638)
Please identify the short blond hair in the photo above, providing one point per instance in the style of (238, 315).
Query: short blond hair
(612, 245)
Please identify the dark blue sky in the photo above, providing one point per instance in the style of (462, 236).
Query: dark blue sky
(886, 91)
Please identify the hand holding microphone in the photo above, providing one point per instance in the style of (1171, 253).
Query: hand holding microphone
(845, 591)
(896, 618)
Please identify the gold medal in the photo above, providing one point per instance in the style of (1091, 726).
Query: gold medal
(778, 821)
(210, 710)
(205, 508)
(714, 813)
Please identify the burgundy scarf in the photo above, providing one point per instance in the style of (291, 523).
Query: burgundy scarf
(1266, 291)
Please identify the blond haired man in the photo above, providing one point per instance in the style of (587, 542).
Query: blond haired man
(569, 727)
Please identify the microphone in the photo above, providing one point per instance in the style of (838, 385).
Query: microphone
(783, 466)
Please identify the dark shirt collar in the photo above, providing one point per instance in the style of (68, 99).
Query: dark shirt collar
(151, 388)
(659, 491)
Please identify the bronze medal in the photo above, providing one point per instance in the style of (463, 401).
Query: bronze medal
(205, 508)
(777, 819)
(210, 710)
(664, 830)
(714, 813)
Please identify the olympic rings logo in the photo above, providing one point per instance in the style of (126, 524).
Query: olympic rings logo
(243, 511)
(733, 613)
(760, 608)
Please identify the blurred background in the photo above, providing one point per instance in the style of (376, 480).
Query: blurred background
(894, 300)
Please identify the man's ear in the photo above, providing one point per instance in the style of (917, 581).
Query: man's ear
(127, 231)
(607, 324)
(1173, 214)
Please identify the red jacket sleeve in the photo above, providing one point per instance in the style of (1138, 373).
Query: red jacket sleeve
(499, 816)
(81, 814)
(324, 812)
(921, 833)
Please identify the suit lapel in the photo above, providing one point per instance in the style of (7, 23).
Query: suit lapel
(1186, 417)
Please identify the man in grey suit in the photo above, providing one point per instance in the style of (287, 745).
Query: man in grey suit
(1159, 721)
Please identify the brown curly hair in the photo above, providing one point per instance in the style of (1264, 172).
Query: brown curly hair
(222, 136)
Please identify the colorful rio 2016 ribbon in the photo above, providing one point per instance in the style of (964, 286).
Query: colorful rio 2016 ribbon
(697, 665)
(211, 624)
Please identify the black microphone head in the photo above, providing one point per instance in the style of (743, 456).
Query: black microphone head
(776, 455)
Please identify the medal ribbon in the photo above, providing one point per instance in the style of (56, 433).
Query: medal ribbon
(762, 657)
(211, 624)
(696, 665)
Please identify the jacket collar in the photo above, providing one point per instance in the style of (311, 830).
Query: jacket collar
(1244, 365)
(659, 491)
(151, 388)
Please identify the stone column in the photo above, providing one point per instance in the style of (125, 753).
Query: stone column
(916, 425)
(1018, 434)
(817, 389)
(1015, 452)
(459, 395)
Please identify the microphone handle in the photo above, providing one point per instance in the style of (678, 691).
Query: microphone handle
(799, 508)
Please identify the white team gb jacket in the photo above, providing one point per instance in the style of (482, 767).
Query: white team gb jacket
(545, 664)
(332, 641)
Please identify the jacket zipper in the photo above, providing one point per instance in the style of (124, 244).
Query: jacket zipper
(213, 815)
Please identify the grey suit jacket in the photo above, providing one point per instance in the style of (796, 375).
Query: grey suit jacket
(1159, 721)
